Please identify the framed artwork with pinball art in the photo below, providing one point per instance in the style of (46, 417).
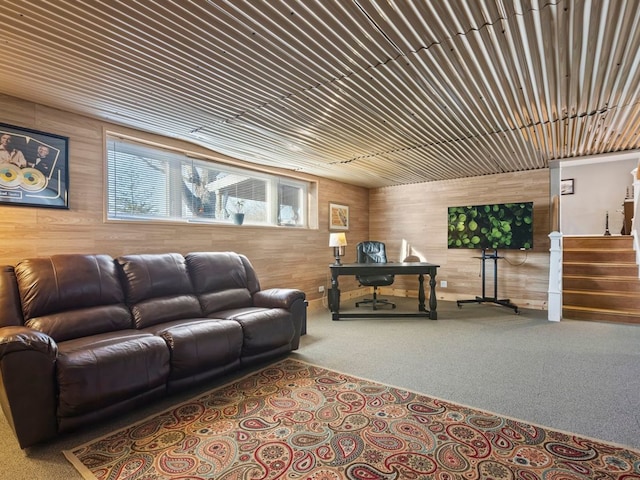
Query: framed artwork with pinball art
(34, 168)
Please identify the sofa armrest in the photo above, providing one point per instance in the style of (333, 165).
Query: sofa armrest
(277, 297)
(28, 383)
(17, 339)
(290, 299)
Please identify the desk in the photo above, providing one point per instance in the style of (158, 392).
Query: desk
(404, 268)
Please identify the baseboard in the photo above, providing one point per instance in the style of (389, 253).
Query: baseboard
(321, 303)
(453, 297)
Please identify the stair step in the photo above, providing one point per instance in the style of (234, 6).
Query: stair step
(600, 315)
(600, 269)
(599, 255)
(596, 299)
(602, 284)
(613, 241)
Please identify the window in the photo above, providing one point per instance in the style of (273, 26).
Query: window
(146, 183)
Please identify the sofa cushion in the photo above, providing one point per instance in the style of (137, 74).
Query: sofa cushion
(70, 296)
(158, 288)
(82, 322)
(221, 280)
(200, 345)
(213, 302)
(264, 329)
(100, 370)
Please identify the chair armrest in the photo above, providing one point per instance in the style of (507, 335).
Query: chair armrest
(28, 383)
(277, 297)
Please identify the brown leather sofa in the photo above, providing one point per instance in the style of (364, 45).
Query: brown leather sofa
(83, 337)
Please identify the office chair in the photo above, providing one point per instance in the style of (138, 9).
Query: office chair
(373, 252)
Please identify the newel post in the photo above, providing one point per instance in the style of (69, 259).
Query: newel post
(554, 309)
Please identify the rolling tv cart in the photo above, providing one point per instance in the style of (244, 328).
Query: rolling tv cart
(484, 299)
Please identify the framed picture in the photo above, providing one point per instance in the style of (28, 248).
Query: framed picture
(566, 186)
(338, 217)
(34, 168)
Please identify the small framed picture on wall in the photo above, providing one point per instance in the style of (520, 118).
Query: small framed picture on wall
(338, 217)
(567, 186)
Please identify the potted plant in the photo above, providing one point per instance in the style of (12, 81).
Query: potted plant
(238, 216)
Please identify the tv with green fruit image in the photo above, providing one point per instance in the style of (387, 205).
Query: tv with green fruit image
(497, 226)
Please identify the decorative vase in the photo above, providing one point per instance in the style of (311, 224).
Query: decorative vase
(238, 218)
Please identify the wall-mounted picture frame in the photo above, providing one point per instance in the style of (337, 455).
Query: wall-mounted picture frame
(338, 217)
(34, 169)
(567, 186)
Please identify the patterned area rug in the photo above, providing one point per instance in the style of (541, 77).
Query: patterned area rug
(298, 421)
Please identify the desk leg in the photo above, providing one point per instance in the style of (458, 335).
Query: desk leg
(433, 302)
(334, 298)
(421, 294)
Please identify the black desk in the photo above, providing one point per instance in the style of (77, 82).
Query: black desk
(405, 268)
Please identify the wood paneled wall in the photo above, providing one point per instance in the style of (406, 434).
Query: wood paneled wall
(283, 257)
(413, 215)
(412, 219)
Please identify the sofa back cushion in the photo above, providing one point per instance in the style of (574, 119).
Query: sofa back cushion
(71, 296)
(222, 280)
(158, 288)
(9, 298)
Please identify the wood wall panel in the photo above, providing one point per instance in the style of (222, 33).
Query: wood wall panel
(287, 257)
(412, 219)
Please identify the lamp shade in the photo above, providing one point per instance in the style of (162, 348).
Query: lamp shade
(337, 239)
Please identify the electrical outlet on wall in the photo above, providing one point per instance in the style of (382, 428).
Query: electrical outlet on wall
(321, 288)
(443, 284)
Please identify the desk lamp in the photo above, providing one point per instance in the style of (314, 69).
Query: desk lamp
(338, 241)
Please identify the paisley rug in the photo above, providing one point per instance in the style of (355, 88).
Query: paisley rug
(293, 420)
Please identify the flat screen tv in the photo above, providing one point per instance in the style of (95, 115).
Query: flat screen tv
(496, 226)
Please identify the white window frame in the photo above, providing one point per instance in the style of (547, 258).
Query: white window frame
(175, 160)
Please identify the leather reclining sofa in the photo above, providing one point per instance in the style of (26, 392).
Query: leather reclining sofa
(84, 337)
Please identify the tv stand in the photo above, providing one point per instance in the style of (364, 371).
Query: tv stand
(484, 299)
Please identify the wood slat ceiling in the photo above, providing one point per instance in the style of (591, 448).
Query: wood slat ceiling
(371, 93)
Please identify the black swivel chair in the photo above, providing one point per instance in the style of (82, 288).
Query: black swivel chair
(373, 252)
